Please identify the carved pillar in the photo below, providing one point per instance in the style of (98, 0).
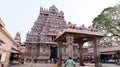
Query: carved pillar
(59, 54)
(41, 48)
(80, 44)
(30, 49)
(96, 53)
(69, 39)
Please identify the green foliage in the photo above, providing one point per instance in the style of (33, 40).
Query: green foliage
(107, 9)
(108, 22)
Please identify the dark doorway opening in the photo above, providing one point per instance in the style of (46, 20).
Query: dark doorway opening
(53, 52)
(14, 59)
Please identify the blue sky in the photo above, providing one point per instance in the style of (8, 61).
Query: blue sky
(20, 15)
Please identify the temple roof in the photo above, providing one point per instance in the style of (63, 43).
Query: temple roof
(78, 34)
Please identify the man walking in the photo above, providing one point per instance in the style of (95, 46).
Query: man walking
(70, 63)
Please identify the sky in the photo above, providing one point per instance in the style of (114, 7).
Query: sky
(20, 15)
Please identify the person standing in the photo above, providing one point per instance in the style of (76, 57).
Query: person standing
(32, 61)
(25, 60)
(70, 63)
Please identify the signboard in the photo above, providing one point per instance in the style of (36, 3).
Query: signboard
(3, 56)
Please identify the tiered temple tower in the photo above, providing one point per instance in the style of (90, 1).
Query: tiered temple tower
(39, 41)
(18, 38)
(49, 21)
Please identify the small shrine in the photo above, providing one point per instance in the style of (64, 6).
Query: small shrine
(79, 36)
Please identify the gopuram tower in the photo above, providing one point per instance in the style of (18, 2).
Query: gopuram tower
(39, 41)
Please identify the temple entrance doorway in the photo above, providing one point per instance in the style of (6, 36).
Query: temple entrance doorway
(53, 52)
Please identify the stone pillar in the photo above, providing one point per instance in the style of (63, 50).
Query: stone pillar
(30, 49)
(69, 39)
(80, 44)
(59, 54)
(96, 53)
(41, 48)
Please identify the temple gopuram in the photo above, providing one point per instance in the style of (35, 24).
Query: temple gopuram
(40, 45)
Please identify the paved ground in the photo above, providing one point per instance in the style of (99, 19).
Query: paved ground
(53, 65)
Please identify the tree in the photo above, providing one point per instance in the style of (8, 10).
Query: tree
(108, 22)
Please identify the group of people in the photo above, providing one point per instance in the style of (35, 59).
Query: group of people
(52, 61)
(68, 63)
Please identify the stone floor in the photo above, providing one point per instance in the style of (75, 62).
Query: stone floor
(53, 65)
